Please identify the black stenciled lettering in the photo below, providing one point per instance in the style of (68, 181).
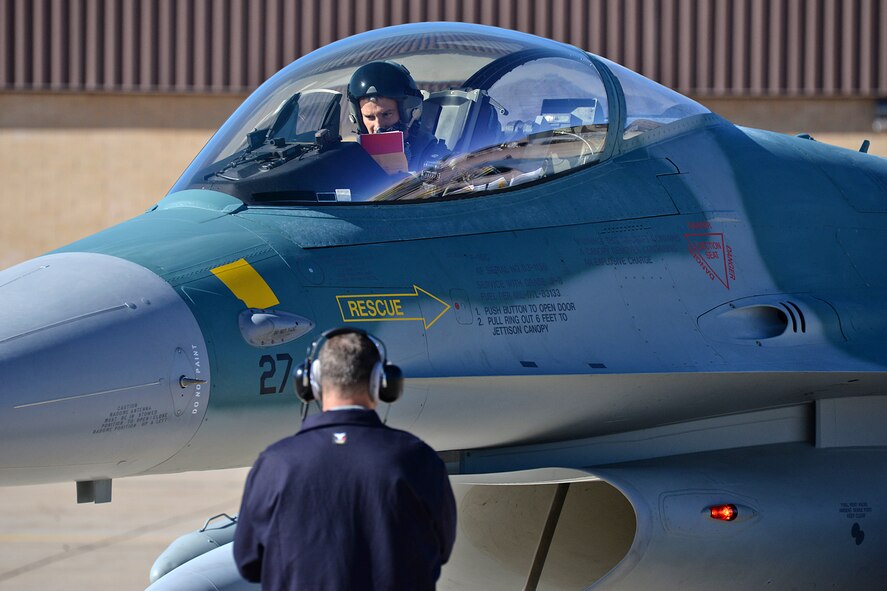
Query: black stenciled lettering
(267, 375)
(289, 365)
(271, 363)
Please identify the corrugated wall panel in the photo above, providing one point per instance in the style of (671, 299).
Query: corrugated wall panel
(778, 33)
(703, 72)
(881, 54)
(758, 47)
(7, 67)
(813, 42)
(701, 47)
(686, 14)
(866, 39)
(21, 63)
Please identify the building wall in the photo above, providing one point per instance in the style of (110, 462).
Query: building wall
(73, 164)
(702, 47)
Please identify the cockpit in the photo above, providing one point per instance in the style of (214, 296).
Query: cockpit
(505, 110)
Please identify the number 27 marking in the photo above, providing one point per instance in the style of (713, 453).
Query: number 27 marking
(269, 373)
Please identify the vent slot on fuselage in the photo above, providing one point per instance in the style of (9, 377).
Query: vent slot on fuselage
(773, 320)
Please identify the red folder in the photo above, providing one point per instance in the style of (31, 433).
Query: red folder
(386, 149)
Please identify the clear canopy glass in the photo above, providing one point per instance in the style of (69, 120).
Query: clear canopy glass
(650, 105)
(501, 109)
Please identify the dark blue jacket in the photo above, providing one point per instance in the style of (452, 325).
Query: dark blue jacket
(346, 504)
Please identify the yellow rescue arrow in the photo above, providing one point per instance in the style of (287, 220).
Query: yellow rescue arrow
(386, 307)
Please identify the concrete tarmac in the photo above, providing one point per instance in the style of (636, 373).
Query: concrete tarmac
(49, 542)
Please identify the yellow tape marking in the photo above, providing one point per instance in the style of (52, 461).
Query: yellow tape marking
(246, 284)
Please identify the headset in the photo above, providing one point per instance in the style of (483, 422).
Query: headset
(386, 379)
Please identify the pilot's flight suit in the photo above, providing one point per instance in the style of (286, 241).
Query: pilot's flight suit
(423, 149)
(346, 503)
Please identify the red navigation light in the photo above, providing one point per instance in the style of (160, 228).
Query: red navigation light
(723, 512)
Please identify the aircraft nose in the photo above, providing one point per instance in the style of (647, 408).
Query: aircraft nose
(103, 369)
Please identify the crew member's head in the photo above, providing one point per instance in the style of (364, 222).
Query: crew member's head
(346, 368)
(382, 96)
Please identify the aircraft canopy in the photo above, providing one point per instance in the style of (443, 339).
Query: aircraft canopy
(506, 110)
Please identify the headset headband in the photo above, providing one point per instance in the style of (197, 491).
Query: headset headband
(386, 380)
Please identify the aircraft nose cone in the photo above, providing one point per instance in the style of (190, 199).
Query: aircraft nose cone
(93, 349)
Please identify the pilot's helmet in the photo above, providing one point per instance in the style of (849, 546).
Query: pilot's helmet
(389, 80)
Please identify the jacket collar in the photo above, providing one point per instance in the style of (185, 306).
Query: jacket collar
(342, 417)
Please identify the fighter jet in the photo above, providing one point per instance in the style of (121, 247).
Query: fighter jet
(650, 344)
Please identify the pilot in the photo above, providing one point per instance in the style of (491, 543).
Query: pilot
(347, 502)
(382, 96)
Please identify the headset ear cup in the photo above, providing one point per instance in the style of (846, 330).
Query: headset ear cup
(393, 384)
(314, 378)
(303, 387)
(376, 377)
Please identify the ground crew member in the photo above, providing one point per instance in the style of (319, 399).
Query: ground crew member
(347, 503)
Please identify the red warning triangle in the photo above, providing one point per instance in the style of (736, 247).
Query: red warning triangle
(709, 251)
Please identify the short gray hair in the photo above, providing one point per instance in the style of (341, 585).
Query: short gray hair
(347, 360)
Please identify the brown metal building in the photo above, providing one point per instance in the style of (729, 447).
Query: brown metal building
(706, 48)
(104, 102)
